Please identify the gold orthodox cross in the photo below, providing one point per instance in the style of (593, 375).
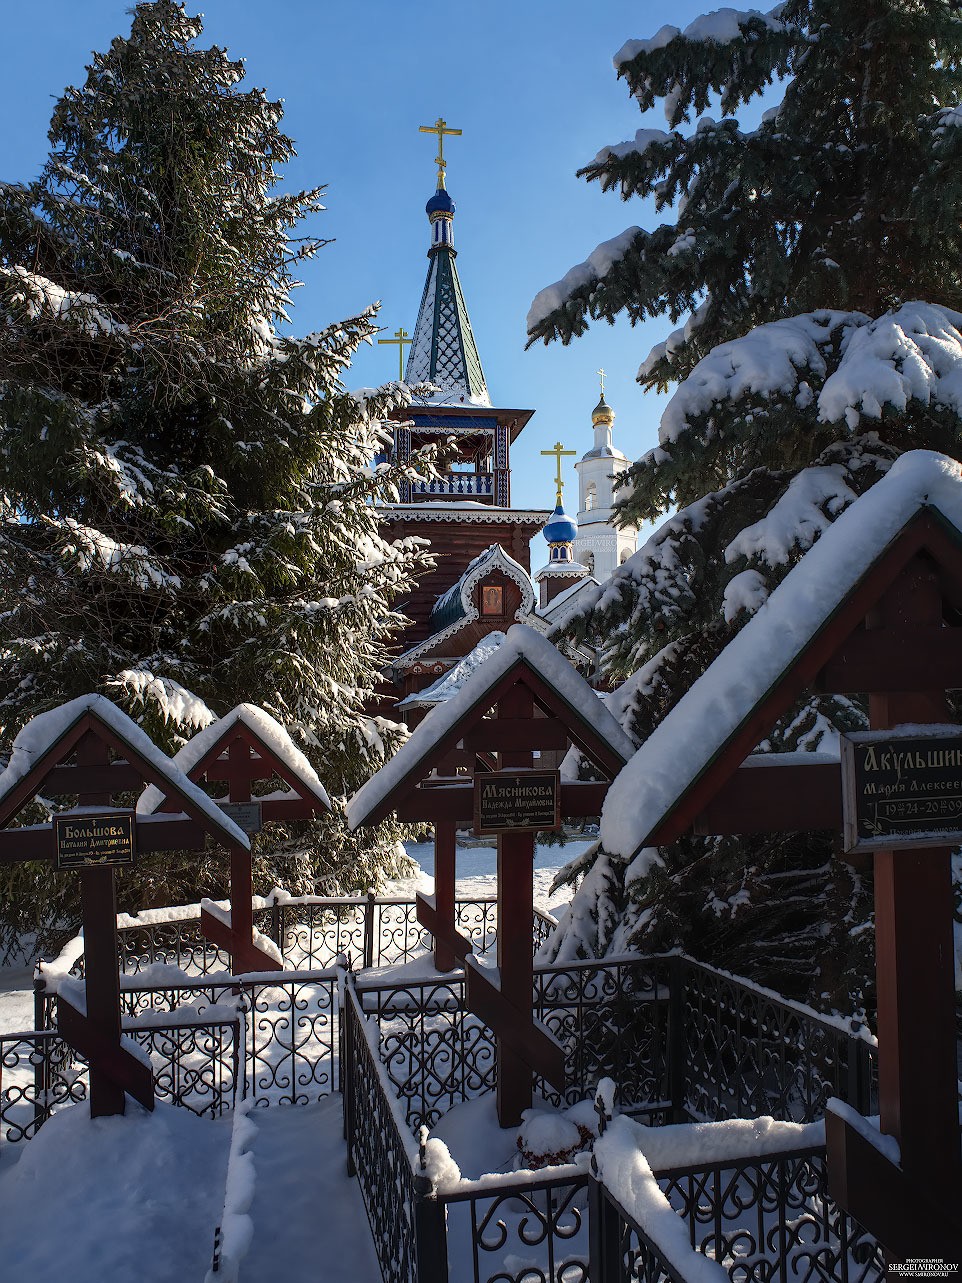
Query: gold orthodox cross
(601, 375)
(557, 452)
(440, 127)
(400, 338)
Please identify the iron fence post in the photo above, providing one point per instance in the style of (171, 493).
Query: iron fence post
(236, 1063)
(346, 1070)
(863, 1091)
(369, 930)
(604, 1234)
(677, 1064)
(39, 1005)
(41, 1068)
(277, 927)
(430, 1233)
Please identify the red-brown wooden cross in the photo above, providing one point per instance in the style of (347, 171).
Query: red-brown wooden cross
(92, 759)
(889, 639)
(517, 713)
(240, 757)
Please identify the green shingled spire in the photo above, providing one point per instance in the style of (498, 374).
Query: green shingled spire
(443, 351)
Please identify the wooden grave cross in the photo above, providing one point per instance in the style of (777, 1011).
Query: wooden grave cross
(90, 750)
(526, 698)
(246, 747)
(890, 637)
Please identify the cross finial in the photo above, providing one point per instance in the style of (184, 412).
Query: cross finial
(557, 452)
(601, 375)
(400, 338)
(440, 127)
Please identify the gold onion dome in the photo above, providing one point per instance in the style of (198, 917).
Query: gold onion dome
(602, 413)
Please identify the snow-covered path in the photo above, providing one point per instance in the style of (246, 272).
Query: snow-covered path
(308, 1215)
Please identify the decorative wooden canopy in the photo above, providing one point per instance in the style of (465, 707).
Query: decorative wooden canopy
(525, 698)
(59, 761)
(734, 793)
(875, 608)
(568, 712)
(245, 747)
(90, 751)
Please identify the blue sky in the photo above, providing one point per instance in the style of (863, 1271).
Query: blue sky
(530, 83)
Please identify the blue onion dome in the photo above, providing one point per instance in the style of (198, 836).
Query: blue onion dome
(440, 203)
(561, 528)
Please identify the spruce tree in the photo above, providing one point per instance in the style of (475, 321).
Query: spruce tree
(188, 495)
(795, 255)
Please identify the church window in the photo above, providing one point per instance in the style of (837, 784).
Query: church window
(589, 561)
(492, 600)
(591, 497)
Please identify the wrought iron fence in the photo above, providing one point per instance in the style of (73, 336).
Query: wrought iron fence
(288, 1050)
(380, 1154)
(37, 1076)
(196, 1065)
(292, 1036)
(611, 1017)
(739, 1051)
(621, 1250)
(312, 932)
(613, 1020)
(519, 1231)
(769, 1218)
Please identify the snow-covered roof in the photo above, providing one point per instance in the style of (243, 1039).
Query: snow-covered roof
(684, 745)
(267, 729)
(520, 644)
(43, 732)
(561, 608)
(451, 682)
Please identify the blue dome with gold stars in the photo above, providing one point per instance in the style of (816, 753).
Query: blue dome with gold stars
(561, 528)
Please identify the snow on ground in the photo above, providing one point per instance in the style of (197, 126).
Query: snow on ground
(16, 999)
(308, 1214)
(133, 1197)
(475, 1138)
(477, 871)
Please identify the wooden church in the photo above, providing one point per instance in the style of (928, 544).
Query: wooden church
(482, 580)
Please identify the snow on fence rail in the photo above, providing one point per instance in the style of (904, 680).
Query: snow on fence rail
(749, 1197)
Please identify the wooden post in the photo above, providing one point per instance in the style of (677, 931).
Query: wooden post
(102, 980)
(98, 904)
(516, 965)
(914, 944)
(241, 876)
(445, 840)
(515, 916)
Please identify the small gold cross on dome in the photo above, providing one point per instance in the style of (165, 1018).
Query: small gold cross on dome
(440, 127)
(400, 338)
(557, 452)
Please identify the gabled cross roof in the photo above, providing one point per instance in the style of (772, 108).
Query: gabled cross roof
(557, 685)
(824, 598)
(49, 739)
(272, 741)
